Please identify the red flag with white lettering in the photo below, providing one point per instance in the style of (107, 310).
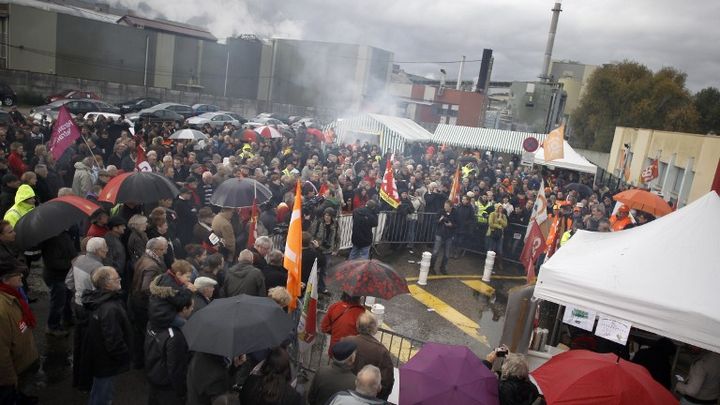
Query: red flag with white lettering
(64, 133)
(141, 163)
(534, 247)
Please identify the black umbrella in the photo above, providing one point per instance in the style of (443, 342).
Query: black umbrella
(237, 193)
(582, 189)
(51, 218)
(139, 187)
(237, 325)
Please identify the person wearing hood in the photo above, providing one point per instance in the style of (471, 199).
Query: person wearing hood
(18, 353)
(24, 203)
(166, 351)
(244, 278)
(10, 184)
(83, 179)
(107, 347)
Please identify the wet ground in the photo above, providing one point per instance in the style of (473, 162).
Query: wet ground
(453, 309)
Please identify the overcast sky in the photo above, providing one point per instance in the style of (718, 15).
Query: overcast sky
(657, 33)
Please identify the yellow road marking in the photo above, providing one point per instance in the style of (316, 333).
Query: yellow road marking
(480, 287)
(461, 321)
(468, 277)
(401, 348)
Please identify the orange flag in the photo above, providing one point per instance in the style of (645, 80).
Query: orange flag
(455, 188)
(293, 250)
(554, 145)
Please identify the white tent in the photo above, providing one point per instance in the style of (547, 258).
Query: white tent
(663, 276)
(388, 132)
(571, 160)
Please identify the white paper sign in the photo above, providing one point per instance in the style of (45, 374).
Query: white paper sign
(579, 317)
(615, 330)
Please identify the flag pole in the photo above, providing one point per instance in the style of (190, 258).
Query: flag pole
(90, 150)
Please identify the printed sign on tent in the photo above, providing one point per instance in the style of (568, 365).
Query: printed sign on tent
(579, 318)
(615, 330)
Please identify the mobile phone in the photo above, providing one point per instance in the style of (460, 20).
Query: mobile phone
(501, 351)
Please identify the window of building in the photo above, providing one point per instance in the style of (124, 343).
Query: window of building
(3, 41)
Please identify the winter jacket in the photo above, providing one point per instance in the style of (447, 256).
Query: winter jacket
(223, 229)
(340, 321)
(434, 202)
(57, 254)
(82, 180)
(136, 245)
(364, 220)
(200, 302)
(186, 220)
(166, 359)
(107, 345)
(208, 377)
(166, 296)
(17, 345)
(146, 269)
(20, 207)
(371, 351)
(328, 381)
(275, 276)
(496, 221)
(352, 397)
(309, 255)
(465, 215)
(243, 278)
(7, 199)
(447, 225)
(83, 268)
(326, 234)
(514, 391)
(16, 164)
(252, 393)
(116, 256)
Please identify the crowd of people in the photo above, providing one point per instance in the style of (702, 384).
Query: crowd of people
(128, 279)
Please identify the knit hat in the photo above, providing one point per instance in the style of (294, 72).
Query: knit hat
(116, 220)
(201, 282)
(342, 350)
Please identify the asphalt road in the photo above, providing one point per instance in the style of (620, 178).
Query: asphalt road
(454, 309)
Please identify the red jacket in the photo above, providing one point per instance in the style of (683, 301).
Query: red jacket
(16, 164)
(340, 321)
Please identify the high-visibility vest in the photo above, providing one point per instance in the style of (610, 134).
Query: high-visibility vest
(481, 211)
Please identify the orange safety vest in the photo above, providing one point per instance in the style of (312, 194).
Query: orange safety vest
(618, 224)
(555, 232)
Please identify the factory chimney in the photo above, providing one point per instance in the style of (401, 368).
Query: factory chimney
(544, 74)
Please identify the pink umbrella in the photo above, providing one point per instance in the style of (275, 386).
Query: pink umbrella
(268, 132)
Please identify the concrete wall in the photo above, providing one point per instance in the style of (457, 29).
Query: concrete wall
(600, 159)
(34, 31)
(95, 50)
(164, 57)
(244, 68)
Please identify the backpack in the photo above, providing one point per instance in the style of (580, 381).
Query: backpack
(156, 355)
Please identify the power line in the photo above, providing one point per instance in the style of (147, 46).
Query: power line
(440, 62)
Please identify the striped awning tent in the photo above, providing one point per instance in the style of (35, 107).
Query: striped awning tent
(392, 132)
(496, 140)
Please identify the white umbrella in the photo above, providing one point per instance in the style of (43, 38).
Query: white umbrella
(191, 134)
(268, 132)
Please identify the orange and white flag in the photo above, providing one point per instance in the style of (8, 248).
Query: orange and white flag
(554, 145)
(455, 188)
(293, 250)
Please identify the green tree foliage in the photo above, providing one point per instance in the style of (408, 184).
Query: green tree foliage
(631, 95)
(707, 104)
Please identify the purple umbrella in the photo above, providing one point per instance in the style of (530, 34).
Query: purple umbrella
(447, 374)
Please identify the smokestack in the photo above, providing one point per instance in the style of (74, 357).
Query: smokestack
(460, 72)
(544, 75)
(485, 70)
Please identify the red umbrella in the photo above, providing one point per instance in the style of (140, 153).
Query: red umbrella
(268, 132)
(368, 277)
(247, 135)
(318, 134)
(51, 218)
(139, 187)
(583, 377)
(644, 201)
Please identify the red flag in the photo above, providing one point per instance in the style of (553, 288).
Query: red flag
(388, 189)
(455, 188)
(64, 133)
(650, 173)
(252, 228)
(534, 246)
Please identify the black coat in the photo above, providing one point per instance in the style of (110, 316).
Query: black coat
(447, 225)
(364, 220)
(514, 391)
(166, 297)
(107, 345)
(166, 359)
(308, 258)
(208, 377)
(275, 276)
(57, 254)
(186, 220)
(252, 393)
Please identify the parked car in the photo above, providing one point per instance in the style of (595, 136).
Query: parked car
(7, 95)
(95, 114)
(235, 116)
(137, 104)
(259, 122)
(159, 115)
(215, 119)
(182, 109)
(49, 112)
(72, 95)
(203, 108)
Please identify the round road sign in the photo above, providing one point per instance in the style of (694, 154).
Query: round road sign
(530, 144)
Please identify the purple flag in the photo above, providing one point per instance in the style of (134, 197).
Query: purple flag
(64, 133)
